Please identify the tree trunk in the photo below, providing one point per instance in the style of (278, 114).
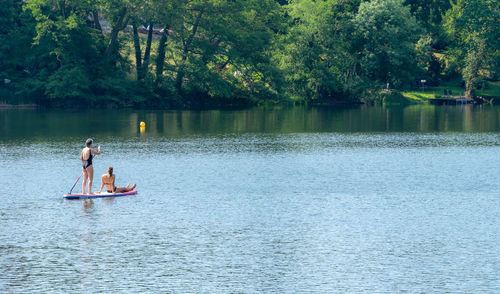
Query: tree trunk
(97, 23)
(185, 51)
(147, 52)
(113, 47)
(138, 52)
(62, 7)
(160, 56)
(471, 73)
(475, 60)
(469, 89)
(180, 76)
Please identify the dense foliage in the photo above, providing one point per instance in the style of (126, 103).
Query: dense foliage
(189, 53)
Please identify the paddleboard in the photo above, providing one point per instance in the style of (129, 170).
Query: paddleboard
(98, 195)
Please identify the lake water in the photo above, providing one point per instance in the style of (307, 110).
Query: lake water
(294, 200)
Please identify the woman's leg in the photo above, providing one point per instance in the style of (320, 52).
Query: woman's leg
(84, 181)
(124, 189)
(90, 171)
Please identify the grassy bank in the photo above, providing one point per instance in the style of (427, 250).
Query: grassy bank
(491, 90)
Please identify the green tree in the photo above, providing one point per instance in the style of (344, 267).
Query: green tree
(475, 31)
(386, 34)
(221, 47)
(72, 65)
(339, 48)
(71, 52)
(9, 15)
(429, 13)
(315, 53)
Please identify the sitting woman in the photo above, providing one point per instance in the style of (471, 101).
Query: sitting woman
(108, 179)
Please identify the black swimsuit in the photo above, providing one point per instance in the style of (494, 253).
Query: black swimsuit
(89, 161)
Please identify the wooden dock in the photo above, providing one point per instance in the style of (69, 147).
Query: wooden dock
(452, 100)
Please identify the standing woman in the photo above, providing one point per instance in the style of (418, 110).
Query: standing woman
(88, 170)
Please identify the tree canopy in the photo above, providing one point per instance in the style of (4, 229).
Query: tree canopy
(474, 29)
(187, 53)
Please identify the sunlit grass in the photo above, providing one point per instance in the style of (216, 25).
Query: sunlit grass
(493, 89)
(424, 95)
(418, 96)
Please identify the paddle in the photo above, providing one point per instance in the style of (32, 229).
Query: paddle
(75, 183)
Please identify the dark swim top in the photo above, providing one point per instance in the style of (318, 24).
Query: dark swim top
(89, 160)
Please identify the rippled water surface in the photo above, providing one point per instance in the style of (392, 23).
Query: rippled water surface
(285, 200)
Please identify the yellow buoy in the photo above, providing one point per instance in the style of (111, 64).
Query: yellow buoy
(142, 124)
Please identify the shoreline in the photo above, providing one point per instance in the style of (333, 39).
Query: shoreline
(219, 106)
(18, 106)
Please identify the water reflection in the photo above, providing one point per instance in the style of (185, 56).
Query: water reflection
(109, 201)
(88, 206)
(19, 124)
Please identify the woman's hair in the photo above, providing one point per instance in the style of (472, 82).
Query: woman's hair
(110, 170)
(88, 142)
